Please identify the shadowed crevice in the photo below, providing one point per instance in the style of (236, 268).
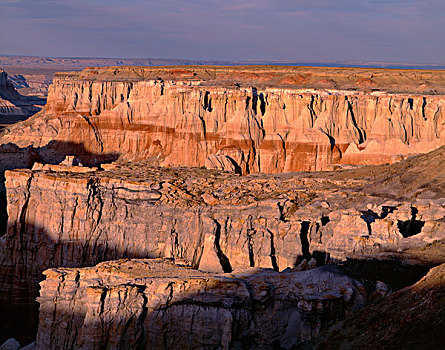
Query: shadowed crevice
(236, 166)
(3, 212)
(273, 257)
(410, 227)
(262, 104)
(305, 225)
(223, 259)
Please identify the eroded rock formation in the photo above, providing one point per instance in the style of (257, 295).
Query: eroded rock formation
(412, 318)
(133, 210)
(219, 222)
(257, 120)
(262, 120)
(153, 304)
(13, 106)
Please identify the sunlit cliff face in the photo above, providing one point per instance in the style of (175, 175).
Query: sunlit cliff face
(211, 248)
(275, 127)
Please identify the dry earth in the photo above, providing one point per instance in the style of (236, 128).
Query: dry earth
(194, 255)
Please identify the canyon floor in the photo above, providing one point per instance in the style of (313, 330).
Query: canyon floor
(178, 208)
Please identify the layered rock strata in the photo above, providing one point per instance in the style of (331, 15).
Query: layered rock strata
(247, 120)
(412, 318)
(86, 216)
(153, 304)
(262, 120)
(31, 81)
(13, 106)
(216, 221)
(205, 219)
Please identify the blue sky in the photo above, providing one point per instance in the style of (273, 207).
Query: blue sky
(296, 30)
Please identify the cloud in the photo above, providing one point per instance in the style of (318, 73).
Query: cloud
(292, 13)
(226, 29)
(247, 5)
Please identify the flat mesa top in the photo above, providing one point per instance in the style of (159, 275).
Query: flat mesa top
(133, 269)
(429, 82)
(198, 186)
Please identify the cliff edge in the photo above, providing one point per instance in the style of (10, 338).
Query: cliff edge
(242, 119)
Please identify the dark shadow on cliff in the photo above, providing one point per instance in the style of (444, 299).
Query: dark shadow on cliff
(370, 216)
(27, 250)
(19, 277)
(207, 319)
(392, 272)
(410, 227)
(23, 107)
(14, 157)
(18, 319)
(56, 151)
(412, 318)
(223, 313)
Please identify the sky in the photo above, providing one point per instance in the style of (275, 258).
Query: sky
(411, 31)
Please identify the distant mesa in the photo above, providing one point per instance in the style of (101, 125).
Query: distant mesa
(13, 106)
(193, 206)
(245, 119)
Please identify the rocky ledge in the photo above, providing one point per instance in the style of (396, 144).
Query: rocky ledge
(243, 119)
(412, 318)
(154, 304)
(13, 106)
(213, 259)
(87, 215)
(219, 222)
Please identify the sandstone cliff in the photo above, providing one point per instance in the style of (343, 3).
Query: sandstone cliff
(13, 106)
(134, 210)
(219, 222)
(412, 318)
(257, 119)
(215, 221)
(153, 304)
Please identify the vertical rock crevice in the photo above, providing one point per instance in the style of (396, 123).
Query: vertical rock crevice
(304, 239)
(412, 226)
(250, 242)
(360, 132)
(96, 131)
(273, 257)
(3, 212)
(24, 211)
(224, 261)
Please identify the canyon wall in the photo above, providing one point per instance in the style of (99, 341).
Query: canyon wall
(218, 222)
(193, 120)
(213, 221)
(208, 219)
(79, 219)
(13, 106)
(153, 304)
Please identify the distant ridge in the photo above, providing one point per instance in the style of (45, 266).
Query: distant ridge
(82, 62)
